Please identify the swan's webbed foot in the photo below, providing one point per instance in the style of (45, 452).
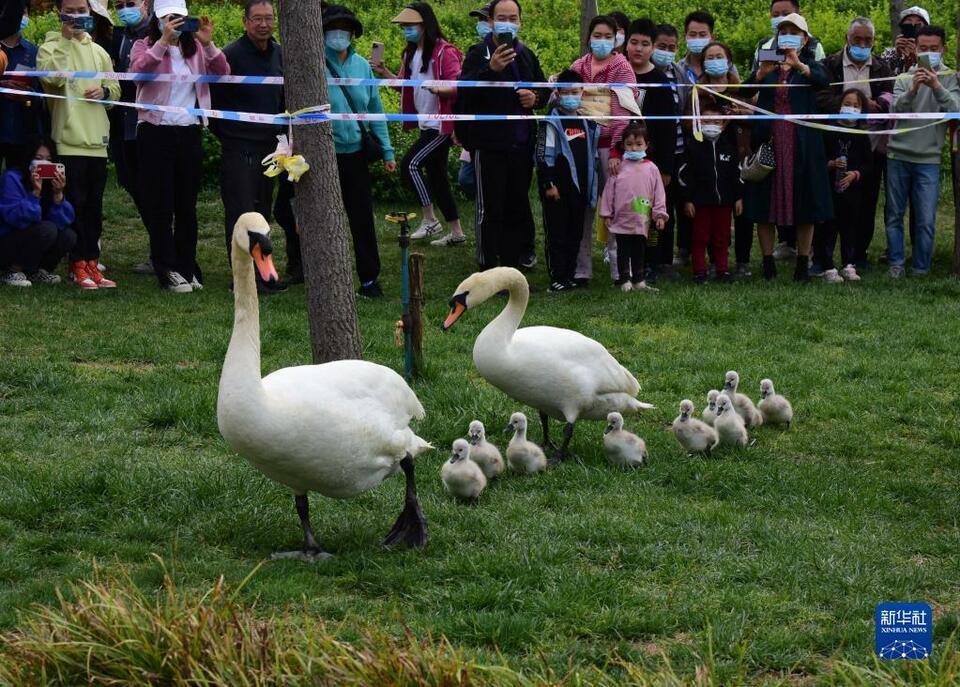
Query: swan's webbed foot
(411, 526)
(311, 552)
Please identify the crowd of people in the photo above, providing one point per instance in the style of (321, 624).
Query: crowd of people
(614, 164)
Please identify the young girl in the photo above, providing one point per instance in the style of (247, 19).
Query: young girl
(849, 158)
(632, 201)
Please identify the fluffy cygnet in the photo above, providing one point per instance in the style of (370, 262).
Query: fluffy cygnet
(522, 455)
(461, 476)
(482, 452)
(741, 402)
(776, 409)
(709, 413)
(729, 425)
(623, 448)
(691, 433)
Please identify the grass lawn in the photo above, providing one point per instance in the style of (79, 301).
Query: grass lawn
(773, 557)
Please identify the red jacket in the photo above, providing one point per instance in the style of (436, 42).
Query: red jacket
(445, 65)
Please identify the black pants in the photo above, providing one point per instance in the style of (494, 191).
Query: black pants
(504, 219)
(283, 212)
(865, 222)
(243, 186)
(563, 226)
(631, 256)
(86, 182)
(355, 187)
(429, 153)
(126, 162)
(12, 155)
(39, 245)
(787, 235)
(743, 238)
(663, 255)
(169, 183)
(848, 208)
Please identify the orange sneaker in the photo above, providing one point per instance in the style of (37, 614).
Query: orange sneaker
(80, 276)
(101, 281)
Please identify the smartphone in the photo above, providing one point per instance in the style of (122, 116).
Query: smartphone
(505, 38)
(924, 61)
(376, 54)
(48, 170)
(190, 25)
(771, 55)
(909, 30)
(81, 23)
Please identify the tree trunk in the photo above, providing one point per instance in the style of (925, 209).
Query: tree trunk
(956, 180)
(588, 10)
(416, 310)
(327, 271)
(896, 7)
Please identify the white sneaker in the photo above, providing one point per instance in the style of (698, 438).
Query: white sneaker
(643, 286)
(14, 279)
(784, 252)
(450, 240)
(832, 277)
(850, 273)
(145, 267)
(426, 229)
(174, 281)
(43, 277)
(626, 286)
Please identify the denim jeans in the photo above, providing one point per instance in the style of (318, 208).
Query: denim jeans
(918, 184)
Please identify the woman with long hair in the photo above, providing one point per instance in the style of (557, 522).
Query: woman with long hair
(428, 55)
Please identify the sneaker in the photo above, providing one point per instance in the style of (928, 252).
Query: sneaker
(427, 228)
(42, 276)
(93, 270)
(196, 285)
(15, 279)
(831, 277)
(724, 278)
(174, 281)
(371, 290)
(642, 286)
(699, 279)
(101, 267)
(80, 276)
(450, 240)
(145, 267)
(784, 252)
(849, 273)
(561, 286)
(528, 261)
(896, 272)
(626, 286)
(743, 269)
(606, 255)
(816, 270)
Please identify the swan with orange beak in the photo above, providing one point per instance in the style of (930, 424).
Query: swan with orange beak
(562, 373)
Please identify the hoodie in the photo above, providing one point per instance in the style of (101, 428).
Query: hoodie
(20, 209)
(346, 133)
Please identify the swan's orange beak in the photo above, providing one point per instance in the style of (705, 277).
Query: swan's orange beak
(264, 263)
(455, 312)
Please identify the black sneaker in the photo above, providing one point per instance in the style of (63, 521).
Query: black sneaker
(699, 279)
(371, 290)
(528, 261)
(581, 282)
(560, 286)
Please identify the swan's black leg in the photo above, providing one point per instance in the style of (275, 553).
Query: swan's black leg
(311, 549)
(562, 453)
(545, 422)
(411, 527)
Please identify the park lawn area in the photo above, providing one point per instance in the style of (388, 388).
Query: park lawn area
(769, 559)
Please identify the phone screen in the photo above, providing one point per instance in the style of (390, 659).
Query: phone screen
(909, 30)
(771, 55)
(924, 61)
(190, 25)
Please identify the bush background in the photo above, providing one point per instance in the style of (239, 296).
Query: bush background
(551, 28)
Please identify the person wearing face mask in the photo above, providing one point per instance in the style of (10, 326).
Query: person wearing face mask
(466, 177)
(856, 67)
(81, 130)
(623, 23)
(900, 57)
(712, 191)
(797, 191)
(599, 66)
(11, 15)
(428, 55)
(698, 34)
(340, 28)
(778, 10)
(849, 159)
(19, 115)
(567, 159)
(502, 150)
(914, 156)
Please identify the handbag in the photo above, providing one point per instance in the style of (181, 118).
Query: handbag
(369, 144)
(758, 166)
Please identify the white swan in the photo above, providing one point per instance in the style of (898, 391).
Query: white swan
(339, 429)
(562, 373)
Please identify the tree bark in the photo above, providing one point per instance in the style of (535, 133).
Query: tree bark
(588, 10)
(327, 271)
(416, 262)
(896, 7)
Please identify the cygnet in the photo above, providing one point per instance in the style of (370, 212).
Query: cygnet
(693, 435)
(709, 413)
(522, 455)
(482, 452)
(623, 448)
(741, 402)
(776, 409)
(729, 425)
(461, 476)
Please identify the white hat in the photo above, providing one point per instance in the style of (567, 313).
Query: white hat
(916, 12)
(100, 9)
(166, 7)
(794, 19)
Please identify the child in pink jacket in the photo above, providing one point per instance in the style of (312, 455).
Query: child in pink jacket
(632, 201)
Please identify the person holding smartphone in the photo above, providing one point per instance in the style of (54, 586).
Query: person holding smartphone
(19, 115)
(902, 55)
(169, 143)
(35, 218)
(81, 130)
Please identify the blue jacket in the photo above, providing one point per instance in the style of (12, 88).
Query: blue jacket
(346, 134)
(17, 121)
(20, 209)
(545, 154)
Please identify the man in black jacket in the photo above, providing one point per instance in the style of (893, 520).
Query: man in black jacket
(243, 186)
(502, 150)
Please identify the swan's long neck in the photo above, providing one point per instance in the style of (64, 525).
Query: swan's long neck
(501, 329)
(241, 367)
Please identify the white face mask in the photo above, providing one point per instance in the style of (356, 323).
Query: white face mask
(711, 132)
(848, 109)
(619, 40)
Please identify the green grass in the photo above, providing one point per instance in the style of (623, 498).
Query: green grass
(772, 558)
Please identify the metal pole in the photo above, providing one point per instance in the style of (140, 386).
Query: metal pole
(403, 219)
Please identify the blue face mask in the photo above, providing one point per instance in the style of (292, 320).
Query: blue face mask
(130, 16)
(717, 66)
(506, 27)
(934, 58)
(663, 58)
(789, 42)
(24, 23)
(858, 54)
(411, 33)
(696, 45)
(484, 29)
(775, 23)
(601, 48)
(337, 40)
(634, 155)
(570, 103)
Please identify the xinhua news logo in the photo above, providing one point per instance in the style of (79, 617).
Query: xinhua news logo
(904, 630)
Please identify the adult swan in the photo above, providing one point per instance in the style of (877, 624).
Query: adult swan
(562, 373)
(339, 428)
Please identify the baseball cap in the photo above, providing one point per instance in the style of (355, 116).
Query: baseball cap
(916, 12)
(162, 8)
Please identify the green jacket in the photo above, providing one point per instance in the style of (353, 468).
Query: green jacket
(79, 128)
(923, 146)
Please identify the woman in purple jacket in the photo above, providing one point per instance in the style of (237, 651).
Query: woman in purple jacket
(35, 220)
